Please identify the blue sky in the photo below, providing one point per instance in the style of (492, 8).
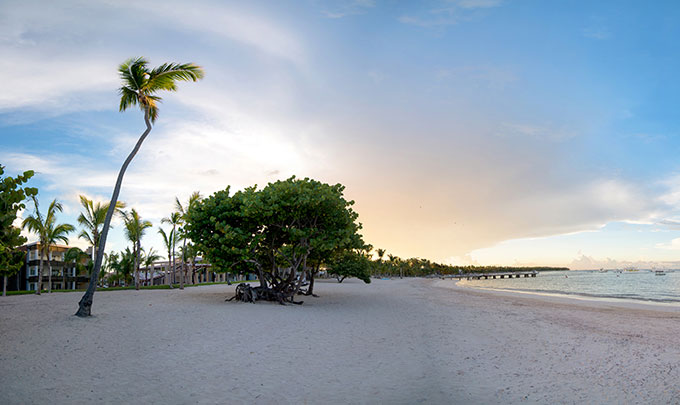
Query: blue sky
(467, 131)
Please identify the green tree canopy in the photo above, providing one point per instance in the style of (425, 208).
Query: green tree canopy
(12, 197)
(351, 264)
(274, 231)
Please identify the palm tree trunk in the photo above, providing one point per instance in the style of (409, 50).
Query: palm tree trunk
(85, 304)
(174, 236)
(94, 254)
(4, 286)
(40, 273)
(137, 248)
(181, 279)
(49, 270)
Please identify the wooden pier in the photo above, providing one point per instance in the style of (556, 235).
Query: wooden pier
(486, 276)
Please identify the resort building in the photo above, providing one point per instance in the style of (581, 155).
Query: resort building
(196, 273)
(64, 275)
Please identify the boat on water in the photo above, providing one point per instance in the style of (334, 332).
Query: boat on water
(603, 270)
(659, 273)
(630, 269)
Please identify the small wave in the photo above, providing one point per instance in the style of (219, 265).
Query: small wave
(636, 297)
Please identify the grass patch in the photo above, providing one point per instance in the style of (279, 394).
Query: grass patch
(146, 287)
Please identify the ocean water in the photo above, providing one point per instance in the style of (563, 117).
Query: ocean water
(641, 285)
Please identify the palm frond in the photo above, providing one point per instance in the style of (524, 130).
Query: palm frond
(140, 83)
(153, 113)
(133, 72)
(32, 223)
(128, 98)
(165, 76)
(85, 235)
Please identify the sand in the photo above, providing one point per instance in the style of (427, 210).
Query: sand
(398, 342)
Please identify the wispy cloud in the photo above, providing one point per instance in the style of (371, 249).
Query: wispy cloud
(58, 61)
(344, 8)
(256, 30)
(600, 33)
(673, 244)
(543, 132)
(471, 4)
(488, 76)
(448, 12)
(597, 28)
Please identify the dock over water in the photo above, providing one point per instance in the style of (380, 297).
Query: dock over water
(486, 276)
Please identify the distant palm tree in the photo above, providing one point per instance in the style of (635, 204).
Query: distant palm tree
(92, 220)
(169, 242)
(125, 266)
(174, 219)
(191, 252)
(183, 211)
(49, 233)
(140, 86)
(135, 228)
(149, 258)
(74, 256)
(381, 253)
(394, 261)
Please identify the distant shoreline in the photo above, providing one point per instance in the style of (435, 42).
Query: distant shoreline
(568, 298)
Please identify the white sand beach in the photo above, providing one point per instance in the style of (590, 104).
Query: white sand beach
(398, 342)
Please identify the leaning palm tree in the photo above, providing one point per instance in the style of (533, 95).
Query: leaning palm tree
(140, 87)
(169, 242)
(183, 211)
(49, 233)
(92, 220)
(174, 219)
(135, 228)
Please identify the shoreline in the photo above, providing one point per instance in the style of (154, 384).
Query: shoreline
(574, 298)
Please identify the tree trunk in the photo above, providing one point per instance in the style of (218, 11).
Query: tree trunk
(310, 289)
(181, 279)
(138, 247)
(94, 254)
(85, 304)
(38, 286)
(4, 286)
(174, 237)
(49, 270)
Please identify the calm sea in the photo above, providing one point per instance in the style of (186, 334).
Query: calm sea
(641, 285)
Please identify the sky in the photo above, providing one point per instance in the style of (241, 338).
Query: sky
(492, 132)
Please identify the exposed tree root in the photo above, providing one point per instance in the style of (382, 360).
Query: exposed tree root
(246, 293)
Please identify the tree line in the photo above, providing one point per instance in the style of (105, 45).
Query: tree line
(394, 266)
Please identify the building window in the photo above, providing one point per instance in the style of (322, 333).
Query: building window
(33, 271)
(31, 286)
